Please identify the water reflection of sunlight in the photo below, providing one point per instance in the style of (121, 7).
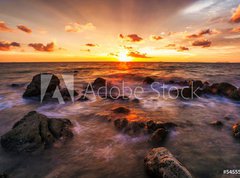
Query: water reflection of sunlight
(123, 66)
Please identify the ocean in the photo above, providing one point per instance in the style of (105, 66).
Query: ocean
(97, 148)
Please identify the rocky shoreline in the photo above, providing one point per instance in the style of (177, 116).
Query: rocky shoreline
(36, 132)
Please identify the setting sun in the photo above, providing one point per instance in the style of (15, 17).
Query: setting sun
(123, 56)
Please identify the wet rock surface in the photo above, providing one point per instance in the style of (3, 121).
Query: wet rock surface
(158, 136)
(35, 132)
(34, 88)
(159, 162)
(148, 80)
(83, 98)
(121, 110)
(236, 130)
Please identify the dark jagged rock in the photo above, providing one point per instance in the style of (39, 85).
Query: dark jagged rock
(236, 130)
(158, 136)
(159, 162)
(135, 100)
(226, 89)
(121, 123)
(98, 83)
(236, 95)
(134, 127)
(35, 132)
(196, 84)
(3, 175)
(218, 124)
(83, 98)
(66, 93)
(148, 80)
(189, 93)
(16, 85)
(213, 89)
(121, 110)
(34, 88)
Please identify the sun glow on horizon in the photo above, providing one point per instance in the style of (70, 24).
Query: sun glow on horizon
(123, 56)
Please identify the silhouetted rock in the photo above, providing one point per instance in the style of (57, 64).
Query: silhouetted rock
(159, 162)
(226, 89)
(235, 95)
(158, 136)
(35, 132)
(189, 93)
(153, 126)
(135, 100)
(98, 83)
(121, 110)
(148, 80)
(34, 88)
(196, 84)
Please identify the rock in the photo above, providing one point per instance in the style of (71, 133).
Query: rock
(65, 92)
(83, 98)
(236, 95)
(16, 85)
(121, 110)
(158, 136)
(135, 100)
(196, 84)
(217, 123)
(213, 89)
(236, 130)
(189, 93)
(121, 123)
(153, 126)
(159, 162)
(98, 83)
(3, 175)
(134, 127)
(226, 89)
(148, 80)
(34, 88)
(35, 132)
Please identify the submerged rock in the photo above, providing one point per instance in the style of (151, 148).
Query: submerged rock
(121, 123)
(236, 130)
(217, 123)
(148, 80)
(3, 175)
(158, 136)
(121, 110)
(153, 126)
(34, 88)
(135, 100)
(196, 84)
(189, 93)
(226, 89)
(159, 162)
(35, 132)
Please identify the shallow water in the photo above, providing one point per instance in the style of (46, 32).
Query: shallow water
(98, 149)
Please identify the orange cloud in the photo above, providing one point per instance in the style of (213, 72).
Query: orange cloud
(4, 27)
(6, 46)
(24, 29)
(203, 43)
(137, 54)
(170, 45)
(43, 48)
(202, 33)
(182, 48)
(76, 27)
(131, 38)
(155, 37)
(91, 45)
(236, 15)
(236, 30)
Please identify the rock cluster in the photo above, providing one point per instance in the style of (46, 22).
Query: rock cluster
(159, 162)
(35, 132)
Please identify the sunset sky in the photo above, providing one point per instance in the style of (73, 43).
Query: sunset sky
(120, 30)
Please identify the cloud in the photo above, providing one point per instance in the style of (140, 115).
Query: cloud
(137, 54)
(170, 45)
(155, 37)
(43, 48)
(6, 46)
(24, 29)
(236, 15)
(131, 38)
(236, 30)
(91, 45)
(202, 33)
(76, 27)
(204, 43)
(4, 27)
(85, 50)
(182, 48)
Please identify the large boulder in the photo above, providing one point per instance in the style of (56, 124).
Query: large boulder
(35, 132)
(98, 83)
(196, 84)
(121, 110)
(160, 163)
(34, 88)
